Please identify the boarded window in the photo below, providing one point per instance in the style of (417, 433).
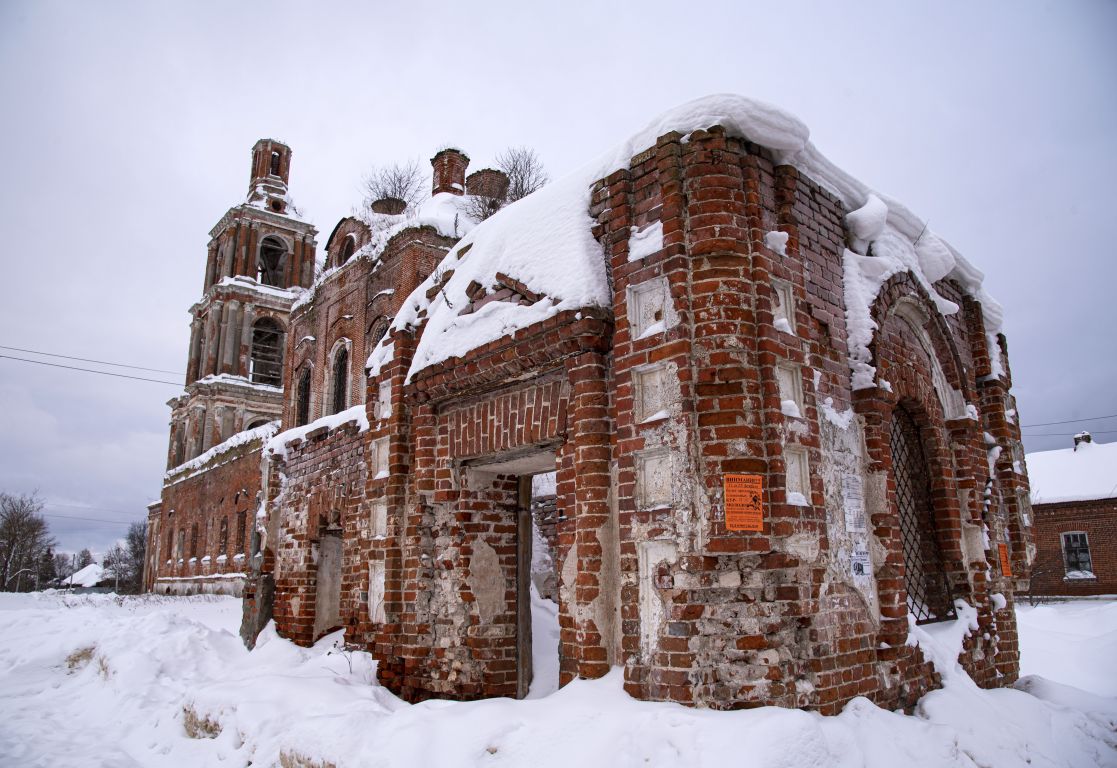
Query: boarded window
(925, 579)
(273, 258)
(266, 363)
(341, 380)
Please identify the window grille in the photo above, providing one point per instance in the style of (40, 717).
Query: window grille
(925, 580)
(266, 364)
(1076, 553)
(194, 540)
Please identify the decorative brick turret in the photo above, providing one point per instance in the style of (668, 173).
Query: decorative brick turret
(449, 171)
(271, 169)
(391, 206)
(487, 182)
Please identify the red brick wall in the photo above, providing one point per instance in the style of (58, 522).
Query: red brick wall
(226, 489)
(1098, 520)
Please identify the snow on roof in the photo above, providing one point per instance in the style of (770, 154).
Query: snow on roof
(545, 242)
(447, 213)
(1090, 472)
(88, 576)
(240, 438)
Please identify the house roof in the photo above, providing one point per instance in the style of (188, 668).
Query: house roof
(1088, 473)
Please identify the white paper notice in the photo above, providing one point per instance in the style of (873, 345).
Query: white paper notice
(859, 564)
(853, 501)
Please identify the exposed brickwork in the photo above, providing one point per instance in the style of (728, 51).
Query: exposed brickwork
(202, 529)
(724, 352)
(1098, 520)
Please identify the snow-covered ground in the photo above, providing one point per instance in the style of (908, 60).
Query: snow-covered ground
(96, 680)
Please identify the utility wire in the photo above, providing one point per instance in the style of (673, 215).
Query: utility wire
(1070, 421)
(91, 519)
(1069, 434)
(90, 370)
(90, 360)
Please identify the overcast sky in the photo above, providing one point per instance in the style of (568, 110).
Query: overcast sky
(127, 130)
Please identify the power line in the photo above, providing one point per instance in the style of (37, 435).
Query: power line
(91, 508)
(90, 370)
(90, 360)
(1070, 421)
(90, 519)
(1070, 434)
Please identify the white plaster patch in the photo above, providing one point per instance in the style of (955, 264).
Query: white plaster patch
(797, 478)
(380, 457)
(789, 378)
(653, 478)
(783, 306)
(650, 554)
(378, 521)
(376, 581)
(650, 309)
(384, 400)
(653, 393)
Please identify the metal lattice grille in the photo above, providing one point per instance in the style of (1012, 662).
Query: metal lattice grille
(924, 577)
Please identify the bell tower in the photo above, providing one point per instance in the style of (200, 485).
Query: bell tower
(260, 257)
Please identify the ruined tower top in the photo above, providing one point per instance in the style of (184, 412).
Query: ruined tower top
(449, 171)
(271, 169)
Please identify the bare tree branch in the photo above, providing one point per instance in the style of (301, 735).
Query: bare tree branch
(403, 181)
(525, 171)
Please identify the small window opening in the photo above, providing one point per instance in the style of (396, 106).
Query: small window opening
(302, 398)
(223, 541)
(242, 521)
(273, 255)
(194, 540)
(274, 164)
(347, 249)
(341, 380)
(266, 363)
(1076, 554)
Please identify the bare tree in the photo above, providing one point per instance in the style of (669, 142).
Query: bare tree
(524, 169)
(85, 558)
(402, 181)
(63, 565)
(525, 174)
(24, 539)
(125, 564)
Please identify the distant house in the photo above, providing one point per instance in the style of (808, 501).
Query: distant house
(91, 578)
(1074, 497)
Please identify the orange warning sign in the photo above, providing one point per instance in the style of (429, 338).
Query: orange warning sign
(1006, 566)
(744, 502)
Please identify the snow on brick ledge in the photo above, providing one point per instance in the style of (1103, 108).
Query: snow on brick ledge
(356, 414)
(545, 242)
(1084, 473)
(237, 440)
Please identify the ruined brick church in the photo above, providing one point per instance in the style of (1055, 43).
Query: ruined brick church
(770, 408)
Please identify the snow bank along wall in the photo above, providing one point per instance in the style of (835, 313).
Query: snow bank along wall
(777, 409)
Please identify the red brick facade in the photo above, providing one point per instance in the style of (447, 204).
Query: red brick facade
(408, 521)
(1098, 520)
